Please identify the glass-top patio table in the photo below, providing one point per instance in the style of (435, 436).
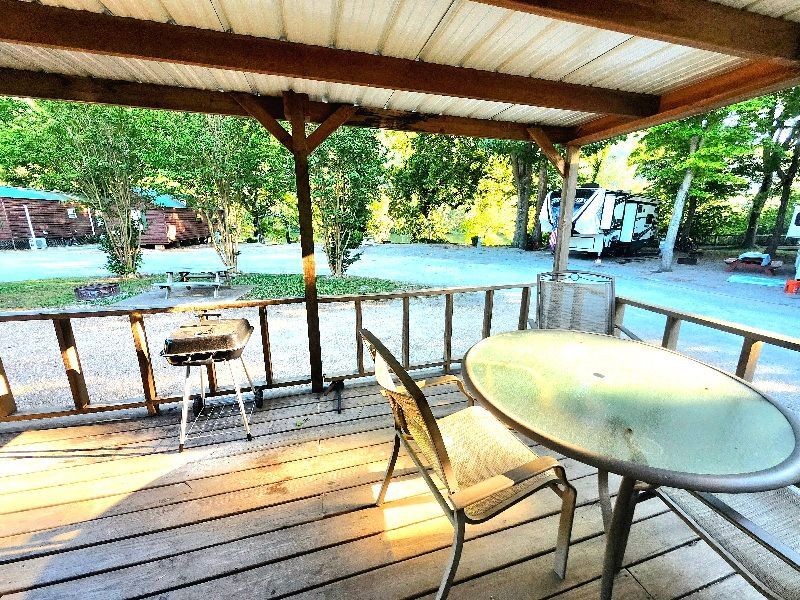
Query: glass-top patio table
(646, 413)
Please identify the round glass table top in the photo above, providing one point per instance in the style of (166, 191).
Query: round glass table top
(635, 409)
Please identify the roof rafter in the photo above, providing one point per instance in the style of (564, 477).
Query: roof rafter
(34, 24)
(14, 82)
(752, 80)
(695, 23)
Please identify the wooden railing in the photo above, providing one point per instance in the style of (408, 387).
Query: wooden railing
(752, 341)
(62, 323)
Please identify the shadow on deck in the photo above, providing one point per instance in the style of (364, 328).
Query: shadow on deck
(109, 509)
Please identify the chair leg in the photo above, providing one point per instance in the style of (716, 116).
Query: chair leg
(185, 410)
(240, 401)
(605, 498)
(568, 500)
(389, 470)
(455, 556)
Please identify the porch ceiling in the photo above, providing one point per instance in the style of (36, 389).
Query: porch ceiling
(587, 70)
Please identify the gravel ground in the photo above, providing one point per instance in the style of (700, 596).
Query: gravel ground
(33, 364)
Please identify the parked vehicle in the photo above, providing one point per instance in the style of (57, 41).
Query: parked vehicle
(605, 221)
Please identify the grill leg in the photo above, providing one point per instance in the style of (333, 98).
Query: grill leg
(247, 374)
(240, 401)
(185, 411)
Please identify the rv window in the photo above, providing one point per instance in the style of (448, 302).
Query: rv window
(650, 219)
(797, 220)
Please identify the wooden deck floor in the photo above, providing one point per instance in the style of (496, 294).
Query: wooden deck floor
(109, 509)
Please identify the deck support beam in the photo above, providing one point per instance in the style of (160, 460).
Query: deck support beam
(296, 109)
(564, 231)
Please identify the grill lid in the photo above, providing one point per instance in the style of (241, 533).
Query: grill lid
(206, 335)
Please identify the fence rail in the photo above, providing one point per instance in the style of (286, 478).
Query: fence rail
(752, 341)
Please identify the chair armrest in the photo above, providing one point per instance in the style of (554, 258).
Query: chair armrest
(441, 380)
(479, 491)
(628, 332)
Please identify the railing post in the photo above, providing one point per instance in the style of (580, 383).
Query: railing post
(265, 347)
(406, 340)
(748, 358)
(619, 315)
(359, 343)
(448, 331)
(524, 308)
(145, 363)
(488, 305)
(672, 329)
(7, 404)
(72, 362)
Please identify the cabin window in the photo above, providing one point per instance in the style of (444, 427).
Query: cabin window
(72, 213)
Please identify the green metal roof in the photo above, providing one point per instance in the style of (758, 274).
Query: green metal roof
(7, 191)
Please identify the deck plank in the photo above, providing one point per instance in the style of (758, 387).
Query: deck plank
(106, 509)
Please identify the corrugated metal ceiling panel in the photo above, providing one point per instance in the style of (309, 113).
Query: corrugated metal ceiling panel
(787, 9)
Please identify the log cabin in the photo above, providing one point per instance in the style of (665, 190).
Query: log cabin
(62, 219)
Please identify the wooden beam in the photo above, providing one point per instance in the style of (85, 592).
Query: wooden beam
(752, 80)
(7, 405)
(52, 27)
(695, 23)
(259, 109)
(139, 334)
(50, 86)
(571, 164)
(339, 117)
(545, 144)
(296, 108)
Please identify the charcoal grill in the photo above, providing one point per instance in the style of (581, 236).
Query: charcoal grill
(203, 342)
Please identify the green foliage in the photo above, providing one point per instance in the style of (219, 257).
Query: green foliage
(492, 215)
(347, 174)
(292, 286)
(429, 172)
(58, 293)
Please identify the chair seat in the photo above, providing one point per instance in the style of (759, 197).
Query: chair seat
(776, 512)
(480, 447)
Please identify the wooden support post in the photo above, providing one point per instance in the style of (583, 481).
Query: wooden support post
(406, 340)
(7, 404)
(145, 363)
(672, 329)
(524, 308)
(265, 347)
(359, 341)
(571, 164)
(748, 358)
(448, 331)
(488, 305)
(296, 110)
(72, 362)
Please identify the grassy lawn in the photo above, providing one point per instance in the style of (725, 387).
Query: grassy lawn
(58, 293)
(290, 286)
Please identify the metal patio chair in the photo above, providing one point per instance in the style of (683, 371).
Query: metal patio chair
(484, 467)
(580, 301)
(758, 534)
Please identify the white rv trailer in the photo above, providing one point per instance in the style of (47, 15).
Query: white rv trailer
(605, 220)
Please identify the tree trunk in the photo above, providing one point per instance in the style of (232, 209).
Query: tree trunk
(686, 232)
(677, 212)
(521, 167)
(758, 205)
(541, 194)
(786, 193)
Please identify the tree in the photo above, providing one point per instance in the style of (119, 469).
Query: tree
(220, 165)
(98, 152)
(347, 173)
(433, 171)
(692, 158)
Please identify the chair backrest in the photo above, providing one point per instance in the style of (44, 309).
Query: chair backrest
(412, 414)
(576, 300)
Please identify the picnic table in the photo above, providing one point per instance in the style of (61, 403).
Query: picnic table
(753, 263)
(188, 278)
(651, 415)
